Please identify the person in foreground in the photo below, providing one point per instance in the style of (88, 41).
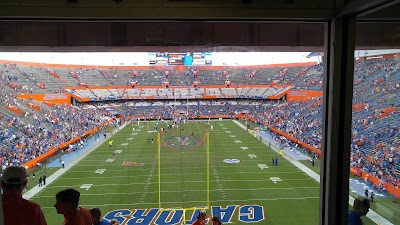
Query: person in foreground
(360, 208)
(96, 217)
(201, 218)
(114, 222)
(13, 182)
(216, 221)
(67, 204)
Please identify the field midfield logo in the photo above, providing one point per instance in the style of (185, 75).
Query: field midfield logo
(182, 142)
(231, 161)
(247, 214)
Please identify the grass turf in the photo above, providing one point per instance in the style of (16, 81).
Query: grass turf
(184, 174)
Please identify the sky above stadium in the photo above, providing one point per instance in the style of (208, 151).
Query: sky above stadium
(142, 58)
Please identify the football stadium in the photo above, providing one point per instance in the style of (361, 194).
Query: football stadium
(237, 134)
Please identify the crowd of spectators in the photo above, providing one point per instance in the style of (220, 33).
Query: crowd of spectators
(374, 146)
(375, 142)
(41, 79)
(22, 141)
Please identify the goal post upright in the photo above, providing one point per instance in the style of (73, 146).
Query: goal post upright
(159, 169)
(208, 169)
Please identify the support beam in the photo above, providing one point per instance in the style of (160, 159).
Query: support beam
(337, 118)
(360, 8)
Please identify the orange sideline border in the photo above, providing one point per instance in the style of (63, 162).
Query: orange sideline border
(52, 152)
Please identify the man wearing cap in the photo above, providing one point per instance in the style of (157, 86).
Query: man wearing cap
(201, 218)
(13, 183)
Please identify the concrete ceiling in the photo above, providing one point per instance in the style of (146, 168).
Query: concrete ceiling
(170, 9)
(165, 25)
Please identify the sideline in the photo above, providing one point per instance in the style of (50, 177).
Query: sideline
(35, 190)
(375, 217)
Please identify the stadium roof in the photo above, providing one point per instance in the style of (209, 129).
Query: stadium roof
(315, 54)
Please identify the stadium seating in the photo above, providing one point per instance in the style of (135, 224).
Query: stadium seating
(375, 142)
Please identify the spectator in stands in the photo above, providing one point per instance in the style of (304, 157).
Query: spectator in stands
(96, 217)
(360, 208)
(17, 210)
(67, 204)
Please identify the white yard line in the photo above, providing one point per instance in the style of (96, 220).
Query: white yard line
(371, 214)
(193, 190)
(230, 200)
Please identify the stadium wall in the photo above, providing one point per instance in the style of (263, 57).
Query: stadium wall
(57, 98)
(38, 108)
(52, 152)
(15, 109)
(302, 95)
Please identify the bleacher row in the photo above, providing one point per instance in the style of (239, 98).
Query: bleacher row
(34, 79)
(168, 109)
(175, 93)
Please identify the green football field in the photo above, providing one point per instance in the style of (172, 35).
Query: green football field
(244, 186)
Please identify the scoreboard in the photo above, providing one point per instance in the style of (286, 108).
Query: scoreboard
(180, 58)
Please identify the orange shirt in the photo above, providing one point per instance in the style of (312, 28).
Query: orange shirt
(21, 211)
(199, 222)
(80, 217)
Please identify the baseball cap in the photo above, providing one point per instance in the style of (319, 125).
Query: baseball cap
(14, 175)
